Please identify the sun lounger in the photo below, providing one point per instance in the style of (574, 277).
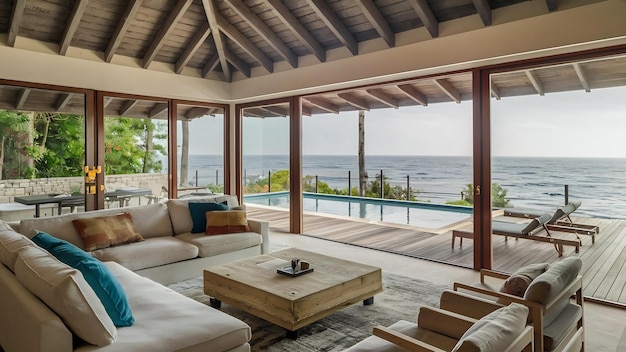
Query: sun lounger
(528, 231)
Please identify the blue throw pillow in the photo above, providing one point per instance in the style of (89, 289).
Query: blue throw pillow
(97, 275)
(198, 214)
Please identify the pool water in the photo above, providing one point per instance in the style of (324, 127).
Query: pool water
(419, 214)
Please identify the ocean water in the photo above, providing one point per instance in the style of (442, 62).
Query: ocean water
(536, 183)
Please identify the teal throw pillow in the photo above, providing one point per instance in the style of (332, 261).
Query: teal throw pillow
(198, 214)
(97, 275)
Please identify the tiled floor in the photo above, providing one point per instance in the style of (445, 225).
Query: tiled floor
(604, 326)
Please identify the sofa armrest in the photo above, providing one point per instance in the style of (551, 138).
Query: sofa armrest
(404, 341)
(262, 228)
(15, 225)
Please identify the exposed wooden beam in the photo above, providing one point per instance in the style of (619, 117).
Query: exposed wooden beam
(122, 26)
(250, 113)
(72, 25)
(21, 98)
(414, 94)
(274, 111)
(62, 102)
(306, 111)
(283, 13)
(16, 21)
(484, 11)
(157, 109)
(264, 31)
(210, 65)
(324, 105)
(193, 46)
(107, 101)
(383, 97)
(534, 80)
(235, 35)
(357, 102)
(582, 77)
(166, 28)
(378, 21)
(427, 16)
(220, 45)
(128, 105)
(237, 63)
(495, 91)
(327, 15)
(552, 5)
(449, 89)
(196, 112)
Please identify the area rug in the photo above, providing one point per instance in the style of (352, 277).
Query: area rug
(401, 298)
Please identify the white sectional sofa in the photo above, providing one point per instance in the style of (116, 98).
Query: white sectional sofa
(164, 319)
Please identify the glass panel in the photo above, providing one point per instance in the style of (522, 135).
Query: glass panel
(41, 153)
(200, 147)
(135, 145)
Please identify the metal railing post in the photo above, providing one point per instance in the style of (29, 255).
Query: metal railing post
(269, 181)
(349, 183)
(382, 185)
(408, 188)
(316, 184)
(566, 194)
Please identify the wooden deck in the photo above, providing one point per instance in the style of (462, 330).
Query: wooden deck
(604, 262)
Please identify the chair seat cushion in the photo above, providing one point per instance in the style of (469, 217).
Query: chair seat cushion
(557, 330)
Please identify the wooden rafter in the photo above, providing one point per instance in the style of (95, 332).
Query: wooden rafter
(122, 26)
(306, 111)
(582, 77)
(484, 11)
(62, 102)
(357, 102)
(534, 80)
(427, 16)
(166, 28)
(329, 18)
(210, 65)
(192, 47)
(383, 97)
(157, 109)
(196, 112)
(283, 13)
(495, 91)
(211, 11)
(275, 111)
(231, 32)
(324, 105)
(552, 5)
(264, 31)
(449, 89)
(128, 105)
(72, 25)
(378, 21)
(16, 20)
(414, 94)
(107, 101)
(21, 98)
(237, 62)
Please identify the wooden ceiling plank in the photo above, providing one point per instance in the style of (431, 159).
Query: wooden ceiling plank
(122, 26)
(283, 13)
(157, 109)
(378, 21)
(414, 94)
(495, 91)
(238, 63)
(264, 31)
(245, 43)
(534, 80)
(358, 103)
(128, 105)
(427, 16)
(210, 65)
(16, 21)
(21, 98)
(62, 102)
(166, 28)
(333, 22)
(552, 5)
(72, 25)
(322, 104)
(484, 11)
(211, 11)
(192, 47)
(582, 77)
(449, 89)
(383, 97)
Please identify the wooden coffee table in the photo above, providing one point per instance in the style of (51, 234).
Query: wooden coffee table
(254, 286)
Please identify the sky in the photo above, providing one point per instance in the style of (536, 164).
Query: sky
(566, 124)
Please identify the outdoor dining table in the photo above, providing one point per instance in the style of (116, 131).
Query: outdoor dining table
(59, 199)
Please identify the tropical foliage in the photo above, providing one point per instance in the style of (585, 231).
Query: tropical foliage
(498, 195)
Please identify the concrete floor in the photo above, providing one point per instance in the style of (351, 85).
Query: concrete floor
(604, 326)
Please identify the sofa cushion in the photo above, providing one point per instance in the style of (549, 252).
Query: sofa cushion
(225, 222)
(148, 253)
(218, 244)
(103, 283)
(495, 331)
(179, 210)
(519, 281)
(549, 284)
(198, 214)
(105, 231)
(66, 292)
(11, 243)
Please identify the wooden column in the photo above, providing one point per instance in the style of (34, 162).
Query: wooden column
(295, 165)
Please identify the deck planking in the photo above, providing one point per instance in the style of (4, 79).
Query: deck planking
(604, 262)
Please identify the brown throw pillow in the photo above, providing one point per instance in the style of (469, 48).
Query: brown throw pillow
(226, 221)
(106, 231)
(519, 281)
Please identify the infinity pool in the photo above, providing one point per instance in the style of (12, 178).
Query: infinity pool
(419, 214)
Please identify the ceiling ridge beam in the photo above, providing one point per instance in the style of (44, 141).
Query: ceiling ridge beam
(449, 89)
(17, 14)
(335, 25)
(22, 97)
(264, 31)
(414, 94)
(427, 16)
(122, 26)
(129, 104)
(383, 97)
(72, 25)
(193, 46)
(62, 102)
(292, 23)
(484, 11)
(329, 107)
(175, 15)
(230, 31)
(534, 80)
(354, 101)
(582, 77)
(378, 21)
(211, 11)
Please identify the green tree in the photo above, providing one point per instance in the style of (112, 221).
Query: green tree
(59, 145)
(130, 147)
(498, 195)
(11, 122)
